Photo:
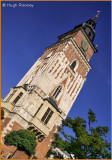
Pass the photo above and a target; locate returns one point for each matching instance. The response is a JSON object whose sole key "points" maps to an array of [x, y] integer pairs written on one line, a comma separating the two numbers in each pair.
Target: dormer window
{"points": [[74, 65]]}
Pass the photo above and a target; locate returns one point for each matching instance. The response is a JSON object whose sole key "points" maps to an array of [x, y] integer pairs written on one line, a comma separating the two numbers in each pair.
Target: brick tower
{"points": [[45, 95]]}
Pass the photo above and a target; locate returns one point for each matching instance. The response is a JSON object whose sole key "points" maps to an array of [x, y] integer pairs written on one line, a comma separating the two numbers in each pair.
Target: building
{"points": [[45, 95], [59, 153]]}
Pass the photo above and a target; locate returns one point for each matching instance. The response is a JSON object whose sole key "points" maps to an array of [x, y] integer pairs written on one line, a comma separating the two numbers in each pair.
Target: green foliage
{"points": [[91, 117], [58, 142], [24, 140], [84, 144]]}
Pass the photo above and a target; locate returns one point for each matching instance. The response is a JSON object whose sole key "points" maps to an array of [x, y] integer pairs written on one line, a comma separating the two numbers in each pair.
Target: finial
{"points": [[96, 16], [98, 12]]}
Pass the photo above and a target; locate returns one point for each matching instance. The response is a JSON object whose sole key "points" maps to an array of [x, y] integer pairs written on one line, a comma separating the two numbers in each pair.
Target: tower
{"points": [[45, 95]]}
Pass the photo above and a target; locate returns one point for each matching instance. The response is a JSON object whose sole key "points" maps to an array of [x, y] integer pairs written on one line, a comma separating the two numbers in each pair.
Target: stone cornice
{"points": [[57, 43]]}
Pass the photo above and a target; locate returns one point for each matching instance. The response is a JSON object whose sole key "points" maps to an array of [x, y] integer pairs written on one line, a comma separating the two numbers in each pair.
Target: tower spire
{"points": [[90, 25], [96, 16]]}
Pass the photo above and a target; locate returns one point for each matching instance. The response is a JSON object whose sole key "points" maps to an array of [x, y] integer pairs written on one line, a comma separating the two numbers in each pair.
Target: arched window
{"points": [[74, 65], [57, 91]]}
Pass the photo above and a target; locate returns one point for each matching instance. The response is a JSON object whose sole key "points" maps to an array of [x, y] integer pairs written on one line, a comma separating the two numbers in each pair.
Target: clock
{"points": [[84, 45]]}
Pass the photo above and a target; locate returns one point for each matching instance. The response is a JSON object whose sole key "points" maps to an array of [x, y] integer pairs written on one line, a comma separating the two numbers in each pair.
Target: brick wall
{"points": [[4, 123], [43, 147], [4, 148], [20, 155]]}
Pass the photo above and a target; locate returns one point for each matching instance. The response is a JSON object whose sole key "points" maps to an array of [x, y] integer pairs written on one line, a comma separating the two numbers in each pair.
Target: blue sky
{"points": [[26, 32]]}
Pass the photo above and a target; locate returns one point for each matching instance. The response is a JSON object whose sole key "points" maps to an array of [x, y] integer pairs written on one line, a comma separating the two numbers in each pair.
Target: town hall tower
{"points": [[45, 95]]}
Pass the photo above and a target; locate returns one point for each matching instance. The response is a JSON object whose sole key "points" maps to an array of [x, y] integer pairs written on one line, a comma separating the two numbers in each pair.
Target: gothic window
{"points": [[46, 117], [17, 98], [74, 65], [10, 96], [57, 91]]}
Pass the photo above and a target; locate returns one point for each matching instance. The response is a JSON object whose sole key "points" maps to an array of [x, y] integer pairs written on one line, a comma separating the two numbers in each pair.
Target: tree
{"points": [[84, 144], [24, 140], [91, 117]]}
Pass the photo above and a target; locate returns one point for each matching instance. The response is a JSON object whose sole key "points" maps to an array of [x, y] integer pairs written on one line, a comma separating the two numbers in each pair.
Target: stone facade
{"points": [[45, 95]]}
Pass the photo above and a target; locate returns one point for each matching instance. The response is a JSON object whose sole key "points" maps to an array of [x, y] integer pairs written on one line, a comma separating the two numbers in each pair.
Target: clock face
{"points": [[84, 45]]}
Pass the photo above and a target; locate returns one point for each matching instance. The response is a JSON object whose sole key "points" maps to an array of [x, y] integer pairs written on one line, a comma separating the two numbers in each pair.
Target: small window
{"points": [[47, 116], [10, 96], [17, 98], [73, 65], [57, 91]]}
